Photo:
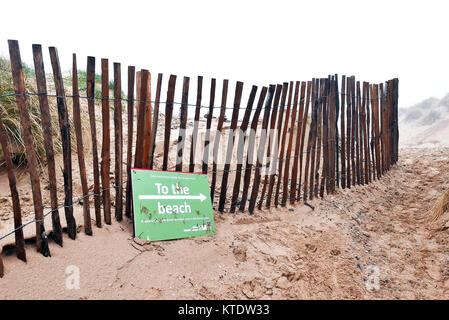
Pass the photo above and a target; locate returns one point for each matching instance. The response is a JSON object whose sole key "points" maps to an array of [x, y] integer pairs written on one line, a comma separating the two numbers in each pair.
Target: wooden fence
{"points": [[296, 141]]}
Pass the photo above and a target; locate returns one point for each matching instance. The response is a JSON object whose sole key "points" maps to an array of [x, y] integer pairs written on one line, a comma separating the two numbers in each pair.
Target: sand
{"points": [[330, 252]]}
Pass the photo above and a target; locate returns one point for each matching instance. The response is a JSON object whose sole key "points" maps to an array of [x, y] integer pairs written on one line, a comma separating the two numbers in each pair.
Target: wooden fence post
{"points": [[251, 148], [282, 152], [260, 149], [118, 142], [19, 239], [230, 145], [129, 156], [276, 155], [196, 120], [80, 148], [318, 133], [148, 124], [270, 141], [90, 84], [241, 147], [326, 139], [217, 139], [294, 109], [48, 140], [182, 123], [141, 93], [105, 147], [66, 142], [311, 142], [302, 129], [168, 118]]}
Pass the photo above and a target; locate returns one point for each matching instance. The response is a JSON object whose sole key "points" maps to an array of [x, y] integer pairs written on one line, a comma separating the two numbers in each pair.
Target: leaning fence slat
{"points": [[196, 121], [359, 162], [80, 148], [118, 142], [208, 126], [19, 239], [19, 89], [241, 147], [141, 93], [90, 84], [271, 136], [251, 148], [318, 136], [129, 156], [182, 123], [230, 145], [218, 138], [326, 141], [365, 137], [155, 121], [343, 133], [308, 185], [66, 142], [260, 150], [302, 129], [288, 154], [276, 153], [48, 141], [168, 118], [148, 124], [106, 145], [282, 152], [376, 131]]}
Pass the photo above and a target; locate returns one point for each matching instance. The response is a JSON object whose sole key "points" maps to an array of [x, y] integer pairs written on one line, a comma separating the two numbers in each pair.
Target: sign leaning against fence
{"points": [[171, 205]]}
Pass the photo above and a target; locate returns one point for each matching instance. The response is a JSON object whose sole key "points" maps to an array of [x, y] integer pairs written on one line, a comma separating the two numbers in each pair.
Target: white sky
{"points": [[257, 42]]}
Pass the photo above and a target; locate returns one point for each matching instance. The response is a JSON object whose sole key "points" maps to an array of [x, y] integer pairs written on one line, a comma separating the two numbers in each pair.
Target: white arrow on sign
{"points": [[201, 197]]}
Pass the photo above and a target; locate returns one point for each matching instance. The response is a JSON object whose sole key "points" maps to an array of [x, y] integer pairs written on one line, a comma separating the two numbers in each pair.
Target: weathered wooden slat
{"points": [[343, 133], [359, 160], [349, 133], [106, 142], [240, 148], [373, 133], [296, 154], [276, 154], [48, 141], [218, 138], [230, 145], [288, 154], [155, 121], [271, 141], [310, 162], [283, 149], [19, 89], [80, 148], [330, 163], [354, 145], [395, 120], [365, 136], [118, 142], [376, 131], [129, 155], [323, 93], [90, 84], [182, 123], [168, 118], [337, 135], [19, 239], [382, 128], [261, 149], [208, 126], [302, 128], [196, 121], [148, 125], [368, 132], [326, 139], [141, 93], [66, 142], [251, 148]]}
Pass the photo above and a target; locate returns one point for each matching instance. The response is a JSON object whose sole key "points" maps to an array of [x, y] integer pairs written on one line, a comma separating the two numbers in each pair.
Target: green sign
{"points": [[171, 205]]}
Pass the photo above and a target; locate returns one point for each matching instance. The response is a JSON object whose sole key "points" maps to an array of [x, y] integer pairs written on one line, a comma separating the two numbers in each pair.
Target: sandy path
{"points": [[293, 253]]}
